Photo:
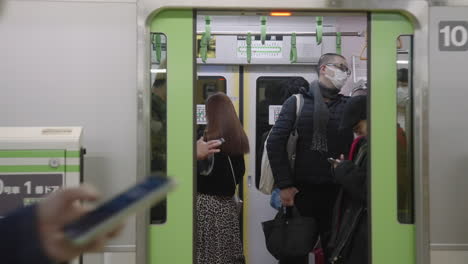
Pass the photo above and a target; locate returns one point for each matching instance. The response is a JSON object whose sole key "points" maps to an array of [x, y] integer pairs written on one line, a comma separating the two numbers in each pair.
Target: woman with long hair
{"points": [[218, 231]]}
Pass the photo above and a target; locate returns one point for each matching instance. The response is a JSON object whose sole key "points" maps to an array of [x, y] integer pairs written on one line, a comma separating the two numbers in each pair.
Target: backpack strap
{"points": [[299, 105]]}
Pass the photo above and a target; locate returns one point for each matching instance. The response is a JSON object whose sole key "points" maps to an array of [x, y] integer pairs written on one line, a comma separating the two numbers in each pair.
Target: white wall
{"points": [[74, 63]]}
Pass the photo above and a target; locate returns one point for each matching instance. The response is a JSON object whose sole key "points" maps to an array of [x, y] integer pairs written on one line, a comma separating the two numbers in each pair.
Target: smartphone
{"points": [[109, 214]]}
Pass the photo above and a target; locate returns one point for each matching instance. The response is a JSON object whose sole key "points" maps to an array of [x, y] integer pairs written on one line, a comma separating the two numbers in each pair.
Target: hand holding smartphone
{"points": [[334, 162], [111, 213]]}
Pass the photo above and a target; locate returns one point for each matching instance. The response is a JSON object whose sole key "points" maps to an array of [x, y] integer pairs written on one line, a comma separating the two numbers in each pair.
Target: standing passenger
{"points": [[159, 121], [289, 87], [218, 231], [310, 187], [349, 237]]}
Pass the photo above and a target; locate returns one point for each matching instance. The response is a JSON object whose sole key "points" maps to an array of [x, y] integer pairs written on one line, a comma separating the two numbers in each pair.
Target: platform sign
{"points": [[201, 114], [273, 113], [17, 190]]}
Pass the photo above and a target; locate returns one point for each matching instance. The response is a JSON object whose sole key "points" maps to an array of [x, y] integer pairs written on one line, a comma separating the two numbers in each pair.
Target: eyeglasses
{"points": [[341, 66]]}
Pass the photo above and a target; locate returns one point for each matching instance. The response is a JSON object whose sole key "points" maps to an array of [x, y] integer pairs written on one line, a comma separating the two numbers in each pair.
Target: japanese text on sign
{"points": [[18, 190], [272, 49]]}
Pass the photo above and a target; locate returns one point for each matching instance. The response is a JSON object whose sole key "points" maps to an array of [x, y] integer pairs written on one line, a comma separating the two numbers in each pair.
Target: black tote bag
{"points": [[289, 234]]}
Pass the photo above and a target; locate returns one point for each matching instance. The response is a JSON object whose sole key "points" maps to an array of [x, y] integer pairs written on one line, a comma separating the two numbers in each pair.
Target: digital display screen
{"points": [[114, 206]]}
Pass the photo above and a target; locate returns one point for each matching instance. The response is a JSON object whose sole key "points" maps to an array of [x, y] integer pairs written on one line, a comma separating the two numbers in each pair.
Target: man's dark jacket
{"points": [[311, 167]]}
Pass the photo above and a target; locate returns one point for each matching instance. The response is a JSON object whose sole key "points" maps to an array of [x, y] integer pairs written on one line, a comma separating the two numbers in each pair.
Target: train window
{"points": [[158, 123], [405, 182], [208, 85], [270, 92]]}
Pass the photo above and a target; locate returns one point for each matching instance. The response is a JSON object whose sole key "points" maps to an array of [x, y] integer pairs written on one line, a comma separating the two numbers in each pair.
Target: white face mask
{"points": [[339, 79]]}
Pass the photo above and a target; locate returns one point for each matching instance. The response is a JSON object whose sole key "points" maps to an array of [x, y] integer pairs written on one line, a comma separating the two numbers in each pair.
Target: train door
{"points": [[391, 142], [391, 240]]}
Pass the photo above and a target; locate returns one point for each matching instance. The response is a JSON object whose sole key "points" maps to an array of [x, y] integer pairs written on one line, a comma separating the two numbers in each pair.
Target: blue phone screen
{"points": [[113, 206]]}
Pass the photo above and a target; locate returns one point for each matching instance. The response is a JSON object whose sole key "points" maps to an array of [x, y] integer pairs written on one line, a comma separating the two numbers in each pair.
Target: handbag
{"points": [[289, 234], [237, 200]]}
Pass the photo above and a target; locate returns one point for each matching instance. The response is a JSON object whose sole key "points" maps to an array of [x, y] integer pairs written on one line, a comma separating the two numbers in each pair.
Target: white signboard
{"points": [[274, 111], [201, 114], [271, 49]]}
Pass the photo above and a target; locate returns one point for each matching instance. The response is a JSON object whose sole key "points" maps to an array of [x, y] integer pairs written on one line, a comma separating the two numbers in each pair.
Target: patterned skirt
{"points": [[218, 231]]}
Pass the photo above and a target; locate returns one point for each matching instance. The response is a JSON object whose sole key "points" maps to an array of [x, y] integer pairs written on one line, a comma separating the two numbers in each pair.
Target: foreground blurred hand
{"points": [[58, 210]]}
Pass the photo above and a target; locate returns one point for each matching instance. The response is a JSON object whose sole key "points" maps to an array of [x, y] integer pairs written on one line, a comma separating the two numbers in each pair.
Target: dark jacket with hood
{"points": [[349, 240], [311, 167]]}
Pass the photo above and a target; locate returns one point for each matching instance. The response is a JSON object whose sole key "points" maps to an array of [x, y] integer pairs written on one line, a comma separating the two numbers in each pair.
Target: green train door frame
{"points": [[173, 241], [388, 236]]}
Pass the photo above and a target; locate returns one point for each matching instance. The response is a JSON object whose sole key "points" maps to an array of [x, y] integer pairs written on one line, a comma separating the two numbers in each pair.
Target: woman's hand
{"points": [[338, 161], [204, 149]]}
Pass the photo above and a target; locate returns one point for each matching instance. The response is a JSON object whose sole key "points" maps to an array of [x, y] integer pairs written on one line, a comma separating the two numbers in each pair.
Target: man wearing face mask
{"points": [[310, 186]]}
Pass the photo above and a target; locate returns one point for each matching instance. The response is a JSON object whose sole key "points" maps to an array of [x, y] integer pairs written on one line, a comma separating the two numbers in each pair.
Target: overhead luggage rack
{"points": [[311, 33]]}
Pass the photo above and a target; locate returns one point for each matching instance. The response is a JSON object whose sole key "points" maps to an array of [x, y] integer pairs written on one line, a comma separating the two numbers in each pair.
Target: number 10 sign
{"points": [[453, 35]]}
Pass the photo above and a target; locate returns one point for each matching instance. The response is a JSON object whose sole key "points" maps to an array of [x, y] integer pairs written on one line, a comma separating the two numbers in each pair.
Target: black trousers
{"points": [[316, 201]]}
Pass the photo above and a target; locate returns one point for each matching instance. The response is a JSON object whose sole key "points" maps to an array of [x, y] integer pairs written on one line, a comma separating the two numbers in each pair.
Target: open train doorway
{"points": [[247, 55], [280, 48]]}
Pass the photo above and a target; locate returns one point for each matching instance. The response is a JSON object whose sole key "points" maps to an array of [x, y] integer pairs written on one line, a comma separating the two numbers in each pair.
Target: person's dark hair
{"points": [[327, 58], [224, 123], [158, 83], [272, 92], [402, 75], [354, 111], [292, 86]]}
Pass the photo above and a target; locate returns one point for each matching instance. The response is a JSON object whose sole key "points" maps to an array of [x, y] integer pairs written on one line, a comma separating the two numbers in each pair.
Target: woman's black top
{"points": [[220, 181]]}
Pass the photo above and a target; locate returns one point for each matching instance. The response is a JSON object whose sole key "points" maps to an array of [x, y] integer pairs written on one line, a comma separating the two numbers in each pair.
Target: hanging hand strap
{"points": [[319, 29], [206, 36], [157, 47], [208, 26], [299, 105], [203, 47], [248, 41], [364, 48], [338, 43], [263, 21], [293, 52]]}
